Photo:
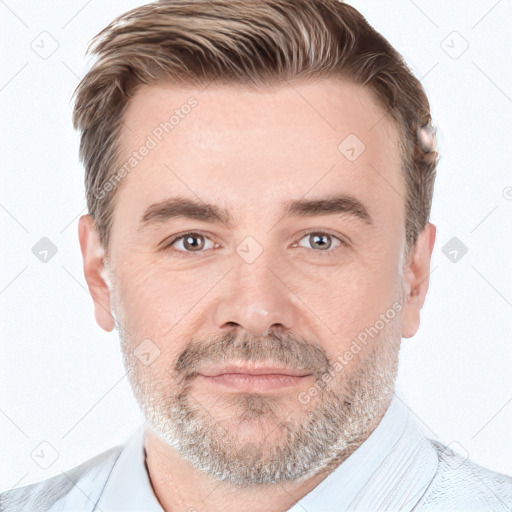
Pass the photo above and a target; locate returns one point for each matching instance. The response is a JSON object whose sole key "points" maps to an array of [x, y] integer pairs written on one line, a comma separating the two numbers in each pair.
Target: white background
{"points": [[62, 377]]}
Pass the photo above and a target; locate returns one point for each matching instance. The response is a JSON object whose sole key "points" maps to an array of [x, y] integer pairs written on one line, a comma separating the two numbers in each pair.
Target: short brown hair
{"points": [[250, 42]]}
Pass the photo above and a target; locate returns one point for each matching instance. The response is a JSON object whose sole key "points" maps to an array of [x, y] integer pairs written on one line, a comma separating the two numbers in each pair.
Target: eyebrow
{"points": [[177, 207]]}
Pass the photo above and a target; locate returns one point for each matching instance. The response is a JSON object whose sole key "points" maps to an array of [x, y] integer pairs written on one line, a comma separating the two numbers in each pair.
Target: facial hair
{"points": [[325, 432]]}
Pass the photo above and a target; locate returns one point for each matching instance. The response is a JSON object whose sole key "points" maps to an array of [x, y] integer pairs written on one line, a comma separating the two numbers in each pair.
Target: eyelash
{"points": [[186, 254]]}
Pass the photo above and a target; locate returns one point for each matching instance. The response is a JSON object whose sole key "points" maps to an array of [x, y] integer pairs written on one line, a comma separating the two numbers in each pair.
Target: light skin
{"points": [[249, 153]]}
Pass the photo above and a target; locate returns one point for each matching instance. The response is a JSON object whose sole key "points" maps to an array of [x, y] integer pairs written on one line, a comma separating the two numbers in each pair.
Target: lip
{"points": [[252, 378], [248, 369]]}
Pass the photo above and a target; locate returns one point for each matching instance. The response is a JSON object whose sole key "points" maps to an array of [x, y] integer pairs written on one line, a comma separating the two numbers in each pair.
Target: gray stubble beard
{"points": [[341, 418]]}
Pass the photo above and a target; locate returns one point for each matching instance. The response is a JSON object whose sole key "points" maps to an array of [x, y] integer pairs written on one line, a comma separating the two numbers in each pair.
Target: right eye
{"points": [[189, 243]]}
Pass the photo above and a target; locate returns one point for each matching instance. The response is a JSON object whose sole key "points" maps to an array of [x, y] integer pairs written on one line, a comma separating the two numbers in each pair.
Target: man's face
{"points": [[263, 289]]}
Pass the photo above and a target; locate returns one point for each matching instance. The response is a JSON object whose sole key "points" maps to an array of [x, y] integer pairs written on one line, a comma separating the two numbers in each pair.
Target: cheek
{"points": [[346, 300], [137, 293], [154, 297]]}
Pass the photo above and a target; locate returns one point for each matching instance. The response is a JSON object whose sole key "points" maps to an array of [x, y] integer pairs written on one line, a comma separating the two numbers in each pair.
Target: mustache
{"points": [[278, 348]]}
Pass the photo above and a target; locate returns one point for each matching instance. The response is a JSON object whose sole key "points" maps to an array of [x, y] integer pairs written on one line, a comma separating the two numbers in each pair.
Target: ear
{"points": [[95, 272], [416, 279]]}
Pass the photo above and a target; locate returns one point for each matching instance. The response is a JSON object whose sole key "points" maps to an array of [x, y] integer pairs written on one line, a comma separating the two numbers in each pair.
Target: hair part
{"points": [[257, 43]]}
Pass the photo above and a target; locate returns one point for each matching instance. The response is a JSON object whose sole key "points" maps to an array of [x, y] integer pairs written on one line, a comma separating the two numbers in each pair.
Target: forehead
{"points": [[250, 150]]}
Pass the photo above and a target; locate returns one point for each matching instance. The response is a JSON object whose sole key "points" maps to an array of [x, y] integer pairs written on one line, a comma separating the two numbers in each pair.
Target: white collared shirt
{"points": [[396, 469]]}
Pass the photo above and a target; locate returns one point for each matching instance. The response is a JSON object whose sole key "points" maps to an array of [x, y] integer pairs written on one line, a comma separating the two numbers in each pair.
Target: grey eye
{"points": [[319, 240], [192, 242]]}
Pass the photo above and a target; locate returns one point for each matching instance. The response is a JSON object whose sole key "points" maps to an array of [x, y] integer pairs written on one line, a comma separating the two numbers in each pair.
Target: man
{"points": [[259, 178]]}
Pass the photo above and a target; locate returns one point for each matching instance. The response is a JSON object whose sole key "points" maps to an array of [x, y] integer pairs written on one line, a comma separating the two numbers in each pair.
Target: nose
{"points": [[255, 298]]}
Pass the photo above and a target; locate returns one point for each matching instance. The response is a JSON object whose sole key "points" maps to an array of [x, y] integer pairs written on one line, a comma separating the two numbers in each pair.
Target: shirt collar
{"points": [[389, 471], [128, 488]]}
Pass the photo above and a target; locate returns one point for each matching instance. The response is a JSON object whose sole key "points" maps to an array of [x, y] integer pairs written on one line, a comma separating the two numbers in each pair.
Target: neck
{"points": [[180, 486]]}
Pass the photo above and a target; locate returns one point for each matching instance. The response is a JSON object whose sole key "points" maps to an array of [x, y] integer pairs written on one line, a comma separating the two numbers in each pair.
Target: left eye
{"points": [[321, 241]]}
